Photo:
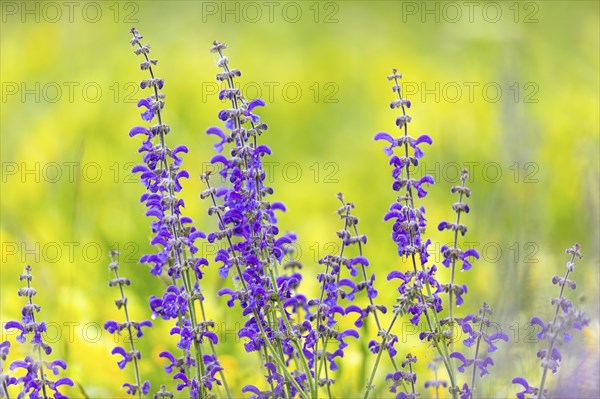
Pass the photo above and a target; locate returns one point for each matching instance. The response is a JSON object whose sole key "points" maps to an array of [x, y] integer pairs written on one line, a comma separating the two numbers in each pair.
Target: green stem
{"points": [[412, 381], [371, 302], [289, 327], [327, 381], [378, 358], [280, 362], [5, 387], [198, 353], [272, 317], [214, 352]]}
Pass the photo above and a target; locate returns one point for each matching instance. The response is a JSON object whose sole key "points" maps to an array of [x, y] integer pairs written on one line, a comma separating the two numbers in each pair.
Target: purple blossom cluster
{"points": [[409, 219], [174, 238], [254, 248], [300, 339], [453, 254], [419, 290], [337, 294], [283, 325], [34, 380]]}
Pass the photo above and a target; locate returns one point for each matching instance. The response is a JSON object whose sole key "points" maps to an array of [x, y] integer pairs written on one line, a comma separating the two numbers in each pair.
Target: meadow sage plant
{"points": [[301, 339], [34, 380], [174, 237]]}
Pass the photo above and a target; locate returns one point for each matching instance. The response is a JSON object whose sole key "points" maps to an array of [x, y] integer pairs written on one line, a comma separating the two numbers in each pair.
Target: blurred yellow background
{"points": [[508, 89]]}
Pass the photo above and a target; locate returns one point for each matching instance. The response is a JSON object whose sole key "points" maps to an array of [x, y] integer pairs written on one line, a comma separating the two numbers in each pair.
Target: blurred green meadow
{"points": [[508, 90]]}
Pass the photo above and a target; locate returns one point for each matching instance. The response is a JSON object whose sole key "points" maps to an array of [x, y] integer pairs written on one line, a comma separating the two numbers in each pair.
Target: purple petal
{"points": [[216, 131], [138, 130], [395, 274], [424, 138], [358, 259], [219, 158], [111, 326], [64, 381], [212, 336], [262, 149], [470, 252], [179, 148], [384, 136], [257, 102], [251, 388], [144, 102]]}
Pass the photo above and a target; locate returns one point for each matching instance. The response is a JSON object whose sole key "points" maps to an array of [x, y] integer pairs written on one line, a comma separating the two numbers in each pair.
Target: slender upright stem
{"points": [[371, 302], [445, 354], [369, 386], [412, 381], [327, 380], [136, 368], [214, 352], [453, 268], [553, 336], [320, 359], [474, 375]]}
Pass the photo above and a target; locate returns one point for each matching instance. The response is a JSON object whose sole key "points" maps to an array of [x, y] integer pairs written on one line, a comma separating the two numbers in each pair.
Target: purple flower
{"points": [[387, 137], [173, 362], [401, 379], [257, 393], [150, 106], [127, 356], [527, 390], [4, 349], [464, 361], [132, 389], [469, 253], [254, 248], [172, 305], [185, 333], [489, 340]]}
